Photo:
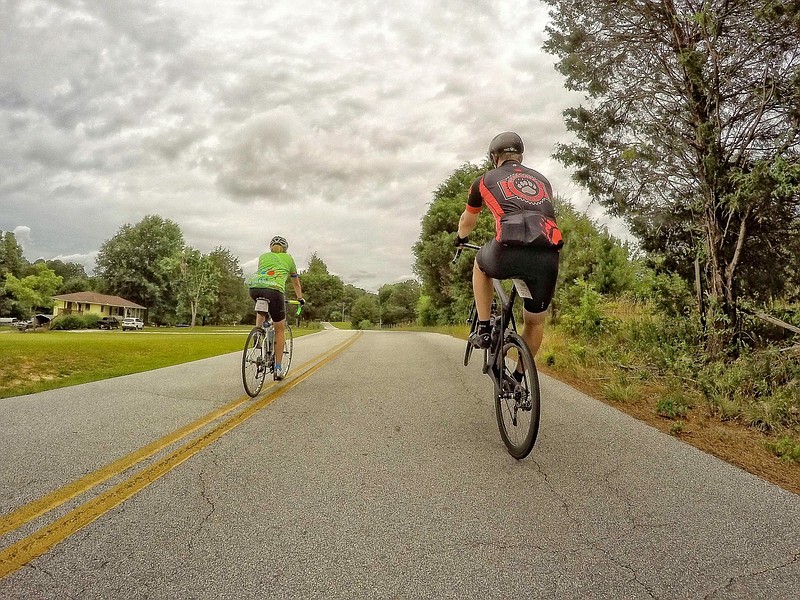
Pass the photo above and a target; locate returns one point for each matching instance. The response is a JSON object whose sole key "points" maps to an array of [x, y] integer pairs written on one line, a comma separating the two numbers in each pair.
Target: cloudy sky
{"points": [[330, 122]]}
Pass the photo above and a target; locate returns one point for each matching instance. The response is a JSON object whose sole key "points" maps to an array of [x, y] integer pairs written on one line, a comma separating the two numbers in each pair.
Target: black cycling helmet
{"points": [[280, 241], [508, 141]]}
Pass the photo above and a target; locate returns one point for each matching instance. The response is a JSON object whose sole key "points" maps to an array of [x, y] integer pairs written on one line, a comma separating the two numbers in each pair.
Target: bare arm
{"points": [[298, 291], [467, 223]]}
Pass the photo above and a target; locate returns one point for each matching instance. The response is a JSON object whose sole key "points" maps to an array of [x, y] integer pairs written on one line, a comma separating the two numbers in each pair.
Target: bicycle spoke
{"points": [[254, 365], [517, 403]]}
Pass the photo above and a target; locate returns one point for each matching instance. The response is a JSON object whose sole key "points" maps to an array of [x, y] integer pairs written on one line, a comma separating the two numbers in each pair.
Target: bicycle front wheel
{"points": [[517, 402], [254, 364], [288, 345]]}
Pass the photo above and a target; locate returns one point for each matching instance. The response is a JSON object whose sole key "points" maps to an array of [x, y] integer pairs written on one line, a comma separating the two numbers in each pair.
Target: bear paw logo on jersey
{"points": [[523, 187]]}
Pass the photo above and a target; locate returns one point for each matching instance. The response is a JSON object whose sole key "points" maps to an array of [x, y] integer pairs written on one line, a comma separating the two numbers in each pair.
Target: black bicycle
{"points": [[258, 356], [509, 363]]}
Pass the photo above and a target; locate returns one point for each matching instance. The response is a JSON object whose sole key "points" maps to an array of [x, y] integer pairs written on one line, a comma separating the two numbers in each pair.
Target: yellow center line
{"points": [[56, 498], [41, 541]]}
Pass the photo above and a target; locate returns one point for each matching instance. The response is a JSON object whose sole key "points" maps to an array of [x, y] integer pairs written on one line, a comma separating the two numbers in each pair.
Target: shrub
{"points": [[70, 322], [364, 324], [582, 311], [673, 404], [786, 449], [760, 386]]}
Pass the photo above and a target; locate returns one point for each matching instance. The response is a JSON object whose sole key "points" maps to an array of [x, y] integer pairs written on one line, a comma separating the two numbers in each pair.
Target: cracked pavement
{"points": [[383, 476]]}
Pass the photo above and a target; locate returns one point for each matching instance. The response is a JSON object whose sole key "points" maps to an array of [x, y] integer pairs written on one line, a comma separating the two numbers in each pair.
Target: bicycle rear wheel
{"points": [[288, 345], [517, 402], [254, 364]]}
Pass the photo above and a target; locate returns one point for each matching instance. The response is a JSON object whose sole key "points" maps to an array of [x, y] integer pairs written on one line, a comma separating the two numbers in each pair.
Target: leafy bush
{"points": [[364, 324], [70, 322], [426, 311], [761, 387], [582, 311], [670, 293], [673, 404], [786, 449]]}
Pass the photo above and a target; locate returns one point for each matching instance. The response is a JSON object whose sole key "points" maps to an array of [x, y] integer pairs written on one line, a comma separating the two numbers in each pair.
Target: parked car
{"points": [[23, 325], [132, 323], [107, 323]]}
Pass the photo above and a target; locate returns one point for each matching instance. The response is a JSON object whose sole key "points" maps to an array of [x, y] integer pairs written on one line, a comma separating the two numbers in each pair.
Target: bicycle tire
{"points": [[288, 346], [254, 365], [517, 405]]}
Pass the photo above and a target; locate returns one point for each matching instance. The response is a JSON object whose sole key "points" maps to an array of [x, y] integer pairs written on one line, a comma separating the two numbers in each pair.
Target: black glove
{"points": [[461, 241], [301, 301]]}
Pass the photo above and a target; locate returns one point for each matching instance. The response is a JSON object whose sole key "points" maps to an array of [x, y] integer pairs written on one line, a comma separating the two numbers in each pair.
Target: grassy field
{"points": [[44, 360]]}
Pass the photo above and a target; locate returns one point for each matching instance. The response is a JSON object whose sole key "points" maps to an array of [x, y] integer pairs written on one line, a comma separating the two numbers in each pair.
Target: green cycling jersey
{"points": [[274, 268]]}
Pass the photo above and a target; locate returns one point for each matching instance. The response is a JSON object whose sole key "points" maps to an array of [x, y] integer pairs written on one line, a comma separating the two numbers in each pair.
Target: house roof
{"points": [[95, 298]]}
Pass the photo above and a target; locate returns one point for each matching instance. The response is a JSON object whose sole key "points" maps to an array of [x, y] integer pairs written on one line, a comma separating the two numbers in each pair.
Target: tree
{"points": [[592, 254], [34, 291], [365, 310], [449, 286], [398, 302], [232, 303], [197, 284], [11, 256], [140, 263], [323, 291], [689, 105], [73, 275], [350, 294], [11, 262]]}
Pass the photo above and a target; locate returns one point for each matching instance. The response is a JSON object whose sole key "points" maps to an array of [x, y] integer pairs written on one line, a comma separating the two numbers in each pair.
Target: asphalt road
{"points": [[380, 474]]}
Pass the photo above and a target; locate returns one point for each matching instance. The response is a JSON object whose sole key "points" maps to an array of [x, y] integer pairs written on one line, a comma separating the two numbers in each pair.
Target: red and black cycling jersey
{"points": [[521, 201]]}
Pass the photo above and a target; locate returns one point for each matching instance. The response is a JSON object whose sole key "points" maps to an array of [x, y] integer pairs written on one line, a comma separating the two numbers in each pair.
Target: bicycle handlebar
{"points": [[299, 306], [461, 247]]}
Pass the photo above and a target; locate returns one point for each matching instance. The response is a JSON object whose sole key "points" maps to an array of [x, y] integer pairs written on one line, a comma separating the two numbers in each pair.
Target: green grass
{"points": [[44, 360]]}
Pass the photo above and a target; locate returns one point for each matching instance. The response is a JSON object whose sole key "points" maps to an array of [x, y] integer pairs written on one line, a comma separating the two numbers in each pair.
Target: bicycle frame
{"points": [[492, 355]]}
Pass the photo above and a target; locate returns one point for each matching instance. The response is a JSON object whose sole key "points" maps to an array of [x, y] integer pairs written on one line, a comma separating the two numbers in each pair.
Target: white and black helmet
{"points": [[280, 241], [508, 141]]}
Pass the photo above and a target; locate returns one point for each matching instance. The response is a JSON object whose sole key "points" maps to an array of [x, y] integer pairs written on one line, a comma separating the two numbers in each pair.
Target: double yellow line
{"points": [[42, 540]]}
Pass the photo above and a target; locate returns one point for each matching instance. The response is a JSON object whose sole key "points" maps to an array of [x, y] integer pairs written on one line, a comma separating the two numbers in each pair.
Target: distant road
{"points": [[374, 471]]}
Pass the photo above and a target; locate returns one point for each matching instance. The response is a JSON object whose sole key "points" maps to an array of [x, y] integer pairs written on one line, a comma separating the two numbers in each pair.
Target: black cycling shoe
{"points": [[480, 340]]}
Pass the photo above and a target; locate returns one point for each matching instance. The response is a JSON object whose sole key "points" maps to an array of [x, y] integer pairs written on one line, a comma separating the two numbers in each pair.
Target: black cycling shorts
{"points": [[277, 301], [537, 267]]}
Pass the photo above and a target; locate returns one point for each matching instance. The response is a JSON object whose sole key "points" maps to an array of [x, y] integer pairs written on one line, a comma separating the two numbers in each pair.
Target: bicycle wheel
{"points": [[288, 344], [473, 323], [254, 365], [517, 402]]}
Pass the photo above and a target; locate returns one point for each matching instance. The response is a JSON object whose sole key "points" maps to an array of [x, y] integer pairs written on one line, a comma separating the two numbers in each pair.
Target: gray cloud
{"points": [[329, 122]]}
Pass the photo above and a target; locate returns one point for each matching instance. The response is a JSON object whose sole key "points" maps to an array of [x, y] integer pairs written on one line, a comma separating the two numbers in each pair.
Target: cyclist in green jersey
{"points": [[269, 282]]}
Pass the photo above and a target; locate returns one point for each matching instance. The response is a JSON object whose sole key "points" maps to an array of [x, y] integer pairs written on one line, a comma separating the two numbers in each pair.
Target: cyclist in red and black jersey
{"points": [[527, 241]]}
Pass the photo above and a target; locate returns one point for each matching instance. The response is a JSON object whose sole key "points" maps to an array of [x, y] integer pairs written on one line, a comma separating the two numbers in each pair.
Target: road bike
{"points": [[509, 363], [258, 356]]}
